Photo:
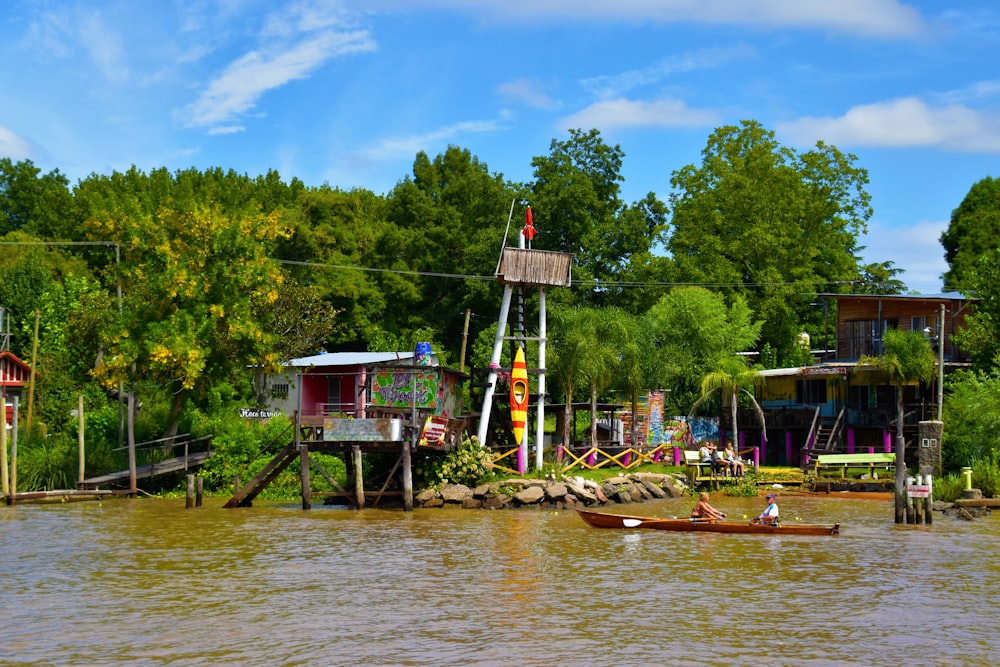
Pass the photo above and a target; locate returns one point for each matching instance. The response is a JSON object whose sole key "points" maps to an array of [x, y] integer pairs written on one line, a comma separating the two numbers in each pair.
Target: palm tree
{"points": [[730, 377], [907, 358]]}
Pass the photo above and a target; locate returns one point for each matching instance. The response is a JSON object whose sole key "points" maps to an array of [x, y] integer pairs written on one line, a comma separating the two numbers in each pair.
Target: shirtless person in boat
{"points": [[703, 510]]}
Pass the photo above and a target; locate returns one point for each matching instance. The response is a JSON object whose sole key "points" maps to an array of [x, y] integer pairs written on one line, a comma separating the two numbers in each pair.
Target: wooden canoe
{"points": [[603, 520]]}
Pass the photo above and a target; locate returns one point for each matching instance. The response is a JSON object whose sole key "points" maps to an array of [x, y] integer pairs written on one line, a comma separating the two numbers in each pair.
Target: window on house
{"points": [[333, 404], [860, 397], [810, 392], [279, 390]]}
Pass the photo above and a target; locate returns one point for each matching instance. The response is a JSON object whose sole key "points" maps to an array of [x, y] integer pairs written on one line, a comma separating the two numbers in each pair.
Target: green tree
{"points": [[576, 200], [731, 377], [690, 329], [333, 243], [445, 221], [972, 414], [192, 277], [759, 219], [879, 278], [36, 203], [574, 331], [973, 231], [907, 358], [980, 337]]}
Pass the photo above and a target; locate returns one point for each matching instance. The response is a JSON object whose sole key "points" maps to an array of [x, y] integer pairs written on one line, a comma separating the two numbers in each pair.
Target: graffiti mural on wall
{"points": [[394, 388], [654, 429]]}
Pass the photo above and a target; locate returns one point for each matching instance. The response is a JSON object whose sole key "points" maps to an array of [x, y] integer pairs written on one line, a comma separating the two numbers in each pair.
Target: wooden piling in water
{"points": [[189, 498], [199, 483]]}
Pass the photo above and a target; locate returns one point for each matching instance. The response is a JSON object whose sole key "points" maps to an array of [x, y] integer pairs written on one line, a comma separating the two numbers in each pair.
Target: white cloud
{"points": [[609, 114], [104, 46], [392, 148], [874, 18], [615, 85], [13, 146], [239, 87], [527, 92], [917, 250], [900, 123]]}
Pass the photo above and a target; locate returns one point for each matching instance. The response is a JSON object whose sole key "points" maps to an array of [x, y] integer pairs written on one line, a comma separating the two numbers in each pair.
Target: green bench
{"points": [[838, 465], [698, 470]]}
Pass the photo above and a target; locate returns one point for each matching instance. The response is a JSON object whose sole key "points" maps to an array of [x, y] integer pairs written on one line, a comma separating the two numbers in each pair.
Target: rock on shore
{"points": [[569, 492]]}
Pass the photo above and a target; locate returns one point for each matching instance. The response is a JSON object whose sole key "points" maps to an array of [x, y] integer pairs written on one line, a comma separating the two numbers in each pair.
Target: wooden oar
{"points": [[636, 523]]}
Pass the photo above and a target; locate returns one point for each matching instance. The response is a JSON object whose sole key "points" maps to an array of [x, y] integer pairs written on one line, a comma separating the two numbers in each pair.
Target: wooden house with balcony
{"points": [[356, 403], [836, 406]]}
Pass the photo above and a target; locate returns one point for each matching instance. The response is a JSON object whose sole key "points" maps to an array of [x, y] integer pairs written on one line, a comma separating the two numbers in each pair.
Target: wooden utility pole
{"points": [[83, 458], [31, 378], [465, 339]]}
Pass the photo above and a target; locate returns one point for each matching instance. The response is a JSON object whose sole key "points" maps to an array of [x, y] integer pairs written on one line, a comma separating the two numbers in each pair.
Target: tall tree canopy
{"points": [[691, 329], [973, 231], [576, 199], [759, 219], [193, 277]]}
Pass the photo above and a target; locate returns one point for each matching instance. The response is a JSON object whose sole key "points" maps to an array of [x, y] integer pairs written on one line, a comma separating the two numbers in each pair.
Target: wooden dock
{"points": [[188, 462]]}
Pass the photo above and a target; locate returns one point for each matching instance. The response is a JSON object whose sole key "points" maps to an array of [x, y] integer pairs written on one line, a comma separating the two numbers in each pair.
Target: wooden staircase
{"points": [[244, 497], [824, 437]]}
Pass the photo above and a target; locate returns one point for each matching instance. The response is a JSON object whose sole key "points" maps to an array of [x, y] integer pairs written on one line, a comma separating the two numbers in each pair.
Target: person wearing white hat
{"points": [[769, 517]]}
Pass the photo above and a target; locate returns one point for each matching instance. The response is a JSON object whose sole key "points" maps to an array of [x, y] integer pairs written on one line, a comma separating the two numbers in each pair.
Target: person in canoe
{"points": [[704, 511], [769, 517]]}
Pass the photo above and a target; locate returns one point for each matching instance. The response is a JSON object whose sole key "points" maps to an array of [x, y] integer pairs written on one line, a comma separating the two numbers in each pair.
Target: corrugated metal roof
{"points": [[940, 296], [349, 359]]}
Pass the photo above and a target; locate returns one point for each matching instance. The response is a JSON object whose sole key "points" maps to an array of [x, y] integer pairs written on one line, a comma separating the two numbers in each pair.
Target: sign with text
{"points": [[258, 413], [435, 429], [918, 491]]}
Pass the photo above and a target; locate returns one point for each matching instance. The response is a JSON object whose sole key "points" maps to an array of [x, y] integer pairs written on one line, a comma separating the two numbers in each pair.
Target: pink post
{"points": [[788, 447], [887, 441], [756, 457], [677, 456], [763, 448], [850, 440]]}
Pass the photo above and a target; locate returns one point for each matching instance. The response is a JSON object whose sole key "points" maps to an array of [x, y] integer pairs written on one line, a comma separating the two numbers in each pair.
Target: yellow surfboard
{"points": [[519, 395]]}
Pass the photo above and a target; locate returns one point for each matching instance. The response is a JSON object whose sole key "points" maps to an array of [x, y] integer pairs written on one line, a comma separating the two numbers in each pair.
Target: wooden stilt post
{"points": [[407, 479], [132, 483], [359, 482], [929, 501], [189, 498], [13, 452], [304, 467], [79, 437], [199, 483], [4, 480]]}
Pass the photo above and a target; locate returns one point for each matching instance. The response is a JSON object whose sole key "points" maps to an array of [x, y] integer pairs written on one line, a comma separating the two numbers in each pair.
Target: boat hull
{"points": [[623, 521]]}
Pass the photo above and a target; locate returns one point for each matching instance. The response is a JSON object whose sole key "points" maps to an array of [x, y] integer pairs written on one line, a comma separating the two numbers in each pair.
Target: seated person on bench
{"points": [[735, 463]]}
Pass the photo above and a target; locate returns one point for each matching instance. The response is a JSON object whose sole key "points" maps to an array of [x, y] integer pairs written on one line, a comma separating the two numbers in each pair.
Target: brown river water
{"points": [[148, 582]]}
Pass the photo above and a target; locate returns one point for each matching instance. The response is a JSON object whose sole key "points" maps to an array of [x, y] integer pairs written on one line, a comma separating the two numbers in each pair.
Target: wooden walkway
{"points": [[193, 460]]}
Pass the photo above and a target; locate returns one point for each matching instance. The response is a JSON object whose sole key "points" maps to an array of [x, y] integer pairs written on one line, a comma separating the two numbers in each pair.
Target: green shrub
{"points": [[949, 488], [467, 464]]}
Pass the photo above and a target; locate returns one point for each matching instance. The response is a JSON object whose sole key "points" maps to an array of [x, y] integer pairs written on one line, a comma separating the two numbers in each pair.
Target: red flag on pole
{"points": [[529, 227]]}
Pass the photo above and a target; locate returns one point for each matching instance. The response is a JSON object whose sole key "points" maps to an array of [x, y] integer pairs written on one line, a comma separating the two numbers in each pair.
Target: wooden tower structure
{"points": [[524, 268]]}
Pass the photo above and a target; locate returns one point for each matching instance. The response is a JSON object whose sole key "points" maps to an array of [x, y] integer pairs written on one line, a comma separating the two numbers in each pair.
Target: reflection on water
{"points": [[148, 582]]}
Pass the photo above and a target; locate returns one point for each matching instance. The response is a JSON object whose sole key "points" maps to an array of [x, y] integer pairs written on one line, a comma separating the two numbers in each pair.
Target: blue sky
{"points": [[346, 92]]}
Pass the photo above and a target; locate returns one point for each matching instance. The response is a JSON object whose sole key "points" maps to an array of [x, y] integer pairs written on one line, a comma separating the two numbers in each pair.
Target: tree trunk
{"points": [[568, 420], [175, 414], [733, 407]]}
